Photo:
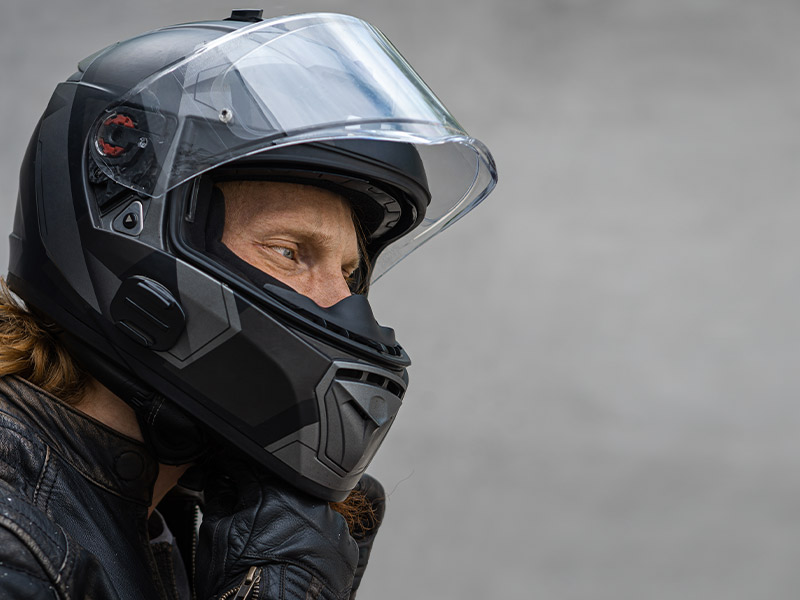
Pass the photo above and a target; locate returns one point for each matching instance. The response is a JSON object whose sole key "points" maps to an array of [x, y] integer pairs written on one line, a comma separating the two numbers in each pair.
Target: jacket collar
{"points": [[109, 459]]}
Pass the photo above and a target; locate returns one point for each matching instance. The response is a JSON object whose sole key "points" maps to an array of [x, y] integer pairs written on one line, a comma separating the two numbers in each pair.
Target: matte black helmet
{"points": [[117, 233]]}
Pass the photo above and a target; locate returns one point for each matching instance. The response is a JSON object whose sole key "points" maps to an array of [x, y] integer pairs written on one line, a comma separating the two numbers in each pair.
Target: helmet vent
{"points": [[372, 378]]}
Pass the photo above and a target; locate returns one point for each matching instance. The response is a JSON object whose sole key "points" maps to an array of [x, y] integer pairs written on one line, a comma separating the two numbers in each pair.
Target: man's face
{"points": [[301, 235]]}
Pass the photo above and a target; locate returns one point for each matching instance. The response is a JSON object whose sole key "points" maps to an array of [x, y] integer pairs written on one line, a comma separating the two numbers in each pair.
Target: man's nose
{"points": [[329, 289]]}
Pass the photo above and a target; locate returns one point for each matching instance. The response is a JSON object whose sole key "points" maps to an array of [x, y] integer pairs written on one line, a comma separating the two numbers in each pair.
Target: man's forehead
{"points": [[277, 192], [276, 201], [302, 212]]}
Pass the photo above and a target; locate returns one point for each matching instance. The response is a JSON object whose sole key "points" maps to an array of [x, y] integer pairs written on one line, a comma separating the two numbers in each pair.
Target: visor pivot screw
{"points": [[226, 115], [142, 142]]}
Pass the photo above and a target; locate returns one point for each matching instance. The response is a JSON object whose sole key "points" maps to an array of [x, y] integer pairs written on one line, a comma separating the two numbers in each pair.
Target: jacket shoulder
{"points": [[21, 574], [38, 559], [27, 539]]}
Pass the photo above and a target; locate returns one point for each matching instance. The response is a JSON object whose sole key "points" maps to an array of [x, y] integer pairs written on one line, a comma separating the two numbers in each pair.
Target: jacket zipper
{"points": [[197, 519], [249, 584]]}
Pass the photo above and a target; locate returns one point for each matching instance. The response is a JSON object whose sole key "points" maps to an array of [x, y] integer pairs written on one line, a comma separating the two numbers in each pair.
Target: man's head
{"points": [[196, 206]]}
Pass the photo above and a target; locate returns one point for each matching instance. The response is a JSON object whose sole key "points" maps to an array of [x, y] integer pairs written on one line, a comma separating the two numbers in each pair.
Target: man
{"points": [[202, 210]]}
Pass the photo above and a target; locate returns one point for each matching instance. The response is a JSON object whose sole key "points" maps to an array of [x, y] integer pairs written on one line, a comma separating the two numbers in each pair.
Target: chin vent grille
{"points": [[372, 378]]}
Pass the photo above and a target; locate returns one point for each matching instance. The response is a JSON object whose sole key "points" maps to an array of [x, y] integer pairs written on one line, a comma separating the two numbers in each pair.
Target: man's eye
{"points": [[286, 252]]}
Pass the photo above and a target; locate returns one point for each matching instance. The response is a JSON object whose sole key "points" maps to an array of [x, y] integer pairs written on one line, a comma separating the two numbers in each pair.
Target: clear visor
{"points": [[285, 81]]}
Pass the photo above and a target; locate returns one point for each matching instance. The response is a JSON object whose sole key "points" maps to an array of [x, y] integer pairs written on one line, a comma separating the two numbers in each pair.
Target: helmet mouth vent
{"points": [[372, 378]]}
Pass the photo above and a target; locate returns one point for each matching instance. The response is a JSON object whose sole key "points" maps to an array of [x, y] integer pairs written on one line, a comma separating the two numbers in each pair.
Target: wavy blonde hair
{"points": [[30, 349]]}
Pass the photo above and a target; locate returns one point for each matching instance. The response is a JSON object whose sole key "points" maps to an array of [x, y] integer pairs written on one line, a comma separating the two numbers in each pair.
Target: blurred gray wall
{"points": [[604, 400]]}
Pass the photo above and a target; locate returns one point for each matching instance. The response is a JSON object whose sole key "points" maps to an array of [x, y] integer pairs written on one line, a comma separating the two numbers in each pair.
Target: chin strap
{"points": [[172, 436]]}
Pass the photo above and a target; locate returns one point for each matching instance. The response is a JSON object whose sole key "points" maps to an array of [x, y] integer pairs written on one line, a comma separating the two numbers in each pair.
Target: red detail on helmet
{"points": [[109, 149], [119, 120]]}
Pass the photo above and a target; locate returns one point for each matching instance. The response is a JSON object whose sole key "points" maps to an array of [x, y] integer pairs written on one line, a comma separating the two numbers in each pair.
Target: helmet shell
{"points": [[115, 176]]}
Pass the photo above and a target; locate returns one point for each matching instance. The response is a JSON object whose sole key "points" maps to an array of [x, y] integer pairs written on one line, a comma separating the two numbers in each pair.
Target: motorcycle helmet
{"points": [[118, 224]]}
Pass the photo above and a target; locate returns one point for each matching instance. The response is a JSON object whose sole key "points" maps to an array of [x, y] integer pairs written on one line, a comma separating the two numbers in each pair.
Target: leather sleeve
{"points": [[39, 560], [21, 575]]}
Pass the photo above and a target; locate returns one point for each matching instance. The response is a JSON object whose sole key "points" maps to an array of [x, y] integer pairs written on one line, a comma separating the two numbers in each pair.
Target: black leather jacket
{"points": [[74, 496]]}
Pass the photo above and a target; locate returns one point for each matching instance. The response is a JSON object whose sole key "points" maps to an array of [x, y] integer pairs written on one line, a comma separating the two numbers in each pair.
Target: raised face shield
{"points": [[286, 81]]}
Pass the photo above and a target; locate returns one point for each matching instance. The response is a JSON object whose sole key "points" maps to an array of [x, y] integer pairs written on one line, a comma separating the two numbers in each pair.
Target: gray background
{"points": [[604, 398]]}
